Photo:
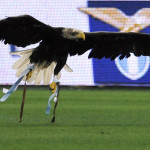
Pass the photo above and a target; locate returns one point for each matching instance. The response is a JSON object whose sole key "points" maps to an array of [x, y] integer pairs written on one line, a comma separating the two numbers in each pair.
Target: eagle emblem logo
{"points": [[133, 68]]}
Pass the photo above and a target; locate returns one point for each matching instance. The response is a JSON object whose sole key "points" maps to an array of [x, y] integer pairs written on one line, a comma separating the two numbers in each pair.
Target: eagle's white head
{"points": [[73, 34]]}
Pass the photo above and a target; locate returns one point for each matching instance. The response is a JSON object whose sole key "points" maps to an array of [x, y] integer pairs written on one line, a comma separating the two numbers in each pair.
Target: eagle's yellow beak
{"points": [[81, 35]]}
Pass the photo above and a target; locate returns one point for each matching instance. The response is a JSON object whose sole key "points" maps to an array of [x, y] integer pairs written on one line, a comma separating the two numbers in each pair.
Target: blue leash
{"points": [[16, 84]]}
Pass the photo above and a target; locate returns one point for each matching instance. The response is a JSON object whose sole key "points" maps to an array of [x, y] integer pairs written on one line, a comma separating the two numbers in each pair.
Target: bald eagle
{"points": [[57, 43]]}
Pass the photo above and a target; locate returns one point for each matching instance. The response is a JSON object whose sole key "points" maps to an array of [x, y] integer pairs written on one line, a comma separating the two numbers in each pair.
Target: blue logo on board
{"points": [[122, 16], [134, 67]]}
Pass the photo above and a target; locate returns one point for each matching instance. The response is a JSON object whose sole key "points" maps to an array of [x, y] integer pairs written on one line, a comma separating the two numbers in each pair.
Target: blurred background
{"points": [[115, 16]]}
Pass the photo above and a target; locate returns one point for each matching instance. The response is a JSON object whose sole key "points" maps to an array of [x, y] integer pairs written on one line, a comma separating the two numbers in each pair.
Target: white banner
{"points": [[56, 13]]}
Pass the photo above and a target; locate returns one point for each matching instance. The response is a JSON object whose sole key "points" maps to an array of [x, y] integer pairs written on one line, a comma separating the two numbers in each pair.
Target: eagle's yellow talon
{"points": [[53, 86], [29, 74]]}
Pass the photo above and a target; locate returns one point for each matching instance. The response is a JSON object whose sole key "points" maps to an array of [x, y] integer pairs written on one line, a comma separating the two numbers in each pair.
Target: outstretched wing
{"points": [[112, 44], [22, 30]]}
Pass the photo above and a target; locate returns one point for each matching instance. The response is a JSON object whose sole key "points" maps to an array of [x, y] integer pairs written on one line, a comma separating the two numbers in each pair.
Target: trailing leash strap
{"points": [[49, 104], [54, 111], [16, 84], [11, 90], [55, 87], [24, 93], [23, 100]]}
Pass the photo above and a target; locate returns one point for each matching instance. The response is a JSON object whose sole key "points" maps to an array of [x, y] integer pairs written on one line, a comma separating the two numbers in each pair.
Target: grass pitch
{"points": [[86, 119]]}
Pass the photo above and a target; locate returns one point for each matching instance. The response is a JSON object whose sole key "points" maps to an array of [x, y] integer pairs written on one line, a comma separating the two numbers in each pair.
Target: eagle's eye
{"points": [[74, 33]]}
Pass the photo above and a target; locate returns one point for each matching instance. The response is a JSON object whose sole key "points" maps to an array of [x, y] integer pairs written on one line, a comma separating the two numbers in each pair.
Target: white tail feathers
{"points": [[48, 72], [58, 76], [47, 75], [39, 77], [67, 68], [41, 72], [23, 52], [21, 61]]}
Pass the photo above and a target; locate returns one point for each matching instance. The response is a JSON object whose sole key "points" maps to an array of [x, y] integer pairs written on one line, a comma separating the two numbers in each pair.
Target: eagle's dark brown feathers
{"points": [[57, 43]]}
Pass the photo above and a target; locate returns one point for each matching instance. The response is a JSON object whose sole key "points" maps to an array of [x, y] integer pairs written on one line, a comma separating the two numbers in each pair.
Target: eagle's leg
{"points": [[55, 85], [55, 88]]}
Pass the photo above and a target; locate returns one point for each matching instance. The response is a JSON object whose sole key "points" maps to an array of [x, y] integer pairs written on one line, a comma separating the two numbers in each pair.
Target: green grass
{"points": [[86, 119]]}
